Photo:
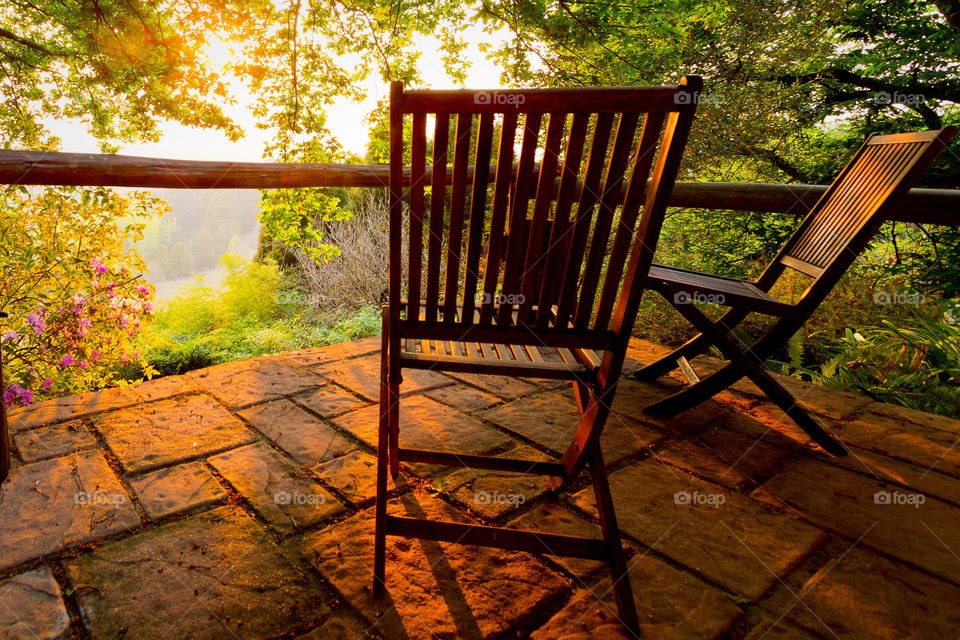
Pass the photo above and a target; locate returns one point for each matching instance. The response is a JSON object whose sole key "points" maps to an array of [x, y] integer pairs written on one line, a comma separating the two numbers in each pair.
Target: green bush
{"points": [[256, 311]]}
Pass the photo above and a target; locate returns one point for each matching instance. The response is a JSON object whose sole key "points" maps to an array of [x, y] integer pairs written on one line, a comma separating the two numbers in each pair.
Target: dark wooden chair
{"points": [[512, 288], [825, 244]]}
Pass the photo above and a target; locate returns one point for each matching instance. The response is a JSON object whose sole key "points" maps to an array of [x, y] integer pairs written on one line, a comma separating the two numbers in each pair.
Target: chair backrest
{"points": [[535, 246], [851, 211]]}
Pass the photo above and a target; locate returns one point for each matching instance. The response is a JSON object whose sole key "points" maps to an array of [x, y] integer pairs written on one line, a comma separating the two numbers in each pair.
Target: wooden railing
{"points": [[928, 206]]}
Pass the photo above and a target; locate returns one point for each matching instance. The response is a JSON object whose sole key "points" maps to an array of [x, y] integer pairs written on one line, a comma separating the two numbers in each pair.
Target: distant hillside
{"points": [[202, 226]]}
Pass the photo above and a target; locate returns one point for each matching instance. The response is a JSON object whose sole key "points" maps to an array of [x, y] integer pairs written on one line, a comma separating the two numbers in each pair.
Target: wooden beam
{"points": [[928, 206]]}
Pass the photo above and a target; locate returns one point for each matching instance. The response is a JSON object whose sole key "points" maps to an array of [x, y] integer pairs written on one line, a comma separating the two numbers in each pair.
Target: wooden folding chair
{"points": [[511, 289], [825, 244]]}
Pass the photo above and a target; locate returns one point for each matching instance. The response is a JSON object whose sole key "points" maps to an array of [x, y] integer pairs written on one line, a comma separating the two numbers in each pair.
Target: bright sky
{"points": [[345, 118]]}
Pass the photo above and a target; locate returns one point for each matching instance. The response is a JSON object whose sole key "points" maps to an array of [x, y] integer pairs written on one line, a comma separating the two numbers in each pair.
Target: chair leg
{"points": [[742, 363], [788, 404], [380, 527], [622, 590], [689, 350], [695, 393], [582, 394], [394, 427], [695, 346], [383, 432]]}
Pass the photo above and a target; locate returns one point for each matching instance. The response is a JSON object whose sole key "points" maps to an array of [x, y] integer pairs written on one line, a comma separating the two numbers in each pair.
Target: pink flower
{"points": [[15, 393], [10, 336], [142, 290], [35, 320], [83, 364], [98, 266], [148, 307], [67, 360], [47, 383], [94, 355]]}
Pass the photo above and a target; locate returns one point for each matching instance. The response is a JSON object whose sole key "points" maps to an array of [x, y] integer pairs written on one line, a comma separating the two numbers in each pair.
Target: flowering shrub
{"points": [[72, 287]]}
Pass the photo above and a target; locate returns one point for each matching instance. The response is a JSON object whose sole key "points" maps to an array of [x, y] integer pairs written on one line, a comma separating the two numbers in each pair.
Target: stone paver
{"points": [[354, 475], [433, 589], [334, 352], [500, 386], [554, 518], [47, 442], [31, 607], [726, 457], [722, 535], [772, 629], [632, 397], [238, 384], [898, 472], [670, 604], [463, 397], [165, 387], [493, 494], [551, 419], [175, 489], [427, 424], [278, 491], [58, 503], [303, 436], [337, 629], [362, 376], [71, 407], [863, 595], [919, 529], [897, 414], [211, 576], [926, 445], [173, 430], [330, 401]]}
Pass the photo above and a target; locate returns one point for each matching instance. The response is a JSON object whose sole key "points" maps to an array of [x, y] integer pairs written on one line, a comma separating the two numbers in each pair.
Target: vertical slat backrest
{"points": [[842, 222], [532, 221]]}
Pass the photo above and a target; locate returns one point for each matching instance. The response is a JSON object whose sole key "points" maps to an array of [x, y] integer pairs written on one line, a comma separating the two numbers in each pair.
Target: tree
{"points": [[120, 65]]}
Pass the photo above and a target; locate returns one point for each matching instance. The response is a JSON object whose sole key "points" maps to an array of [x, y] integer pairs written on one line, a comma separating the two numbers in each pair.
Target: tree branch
{"points": [[948, 92], [9, 35]]}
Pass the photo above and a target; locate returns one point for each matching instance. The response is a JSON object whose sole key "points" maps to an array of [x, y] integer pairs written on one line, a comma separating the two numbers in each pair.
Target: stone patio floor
{"points": [[237, 502]]}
